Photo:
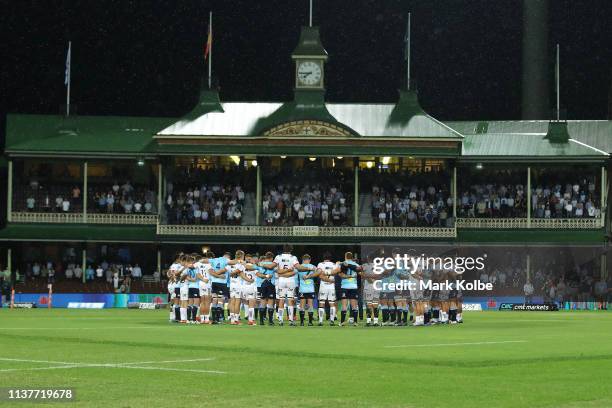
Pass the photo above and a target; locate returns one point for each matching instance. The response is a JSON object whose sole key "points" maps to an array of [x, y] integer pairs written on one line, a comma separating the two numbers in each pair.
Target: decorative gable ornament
{"points": [[307, 128]]}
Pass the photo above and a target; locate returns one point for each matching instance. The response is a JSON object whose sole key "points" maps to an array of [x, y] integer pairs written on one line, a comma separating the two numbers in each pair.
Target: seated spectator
{"points": [[136, 272]]}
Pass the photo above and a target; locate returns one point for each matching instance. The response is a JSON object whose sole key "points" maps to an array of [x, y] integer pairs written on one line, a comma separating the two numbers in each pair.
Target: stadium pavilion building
{"points": [[61, 169]]}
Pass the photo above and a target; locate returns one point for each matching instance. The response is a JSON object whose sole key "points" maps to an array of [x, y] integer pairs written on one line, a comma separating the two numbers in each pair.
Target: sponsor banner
{"points": [[24, 305], [472, 307], [534, 307], [110, 300], [85, 305]]}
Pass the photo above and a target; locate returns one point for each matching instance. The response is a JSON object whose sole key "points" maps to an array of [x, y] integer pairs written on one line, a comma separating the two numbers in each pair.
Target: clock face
{"points": [[309, 73]]}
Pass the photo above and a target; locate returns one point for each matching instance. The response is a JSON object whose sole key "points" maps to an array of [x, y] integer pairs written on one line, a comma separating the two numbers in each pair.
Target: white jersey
{"points": [[204, 270], [285, 261], [252, 275], [235, 281], [327, 268]]}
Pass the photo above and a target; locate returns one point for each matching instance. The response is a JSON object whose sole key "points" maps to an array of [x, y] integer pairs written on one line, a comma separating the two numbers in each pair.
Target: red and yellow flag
{"points": [[208, 43]]}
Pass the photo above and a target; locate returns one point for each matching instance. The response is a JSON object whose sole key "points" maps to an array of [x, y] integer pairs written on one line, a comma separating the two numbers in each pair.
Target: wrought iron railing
{"points": [[79, 218], [537, 223]]}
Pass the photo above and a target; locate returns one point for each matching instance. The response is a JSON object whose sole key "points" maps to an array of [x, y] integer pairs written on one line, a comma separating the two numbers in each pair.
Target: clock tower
{"points": [[309, 57]]}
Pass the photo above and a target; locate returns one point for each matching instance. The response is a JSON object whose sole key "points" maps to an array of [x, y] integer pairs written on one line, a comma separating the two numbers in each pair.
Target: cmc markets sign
{"points": [[529, 307]]}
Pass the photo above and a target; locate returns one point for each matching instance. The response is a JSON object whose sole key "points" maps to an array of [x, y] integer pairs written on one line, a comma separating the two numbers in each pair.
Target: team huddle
{"points": [[202, 286]]}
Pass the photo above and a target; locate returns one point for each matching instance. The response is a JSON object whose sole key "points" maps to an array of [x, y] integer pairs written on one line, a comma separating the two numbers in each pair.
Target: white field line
{"points": [[476, 343], [132, 365], [88, 328]]}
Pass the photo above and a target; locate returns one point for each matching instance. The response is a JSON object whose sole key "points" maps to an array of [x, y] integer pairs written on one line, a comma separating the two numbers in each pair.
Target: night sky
{"points": [[145, 57]]}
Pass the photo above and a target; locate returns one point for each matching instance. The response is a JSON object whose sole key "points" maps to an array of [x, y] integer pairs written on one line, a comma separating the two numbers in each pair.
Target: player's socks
{"points": [[368, 316], [342, 316], [405, 316], [426, 317], [281, 314], [270, 314], [262, 315], [256, 313], [310, 316], [355, 313], [392, 314], [332, 313], [458, 316], [251, 314], [436, 314], [302, 314], [183, 314], [385, 314], [290, 312], [321, 314], [177, 313], [189, 309]]}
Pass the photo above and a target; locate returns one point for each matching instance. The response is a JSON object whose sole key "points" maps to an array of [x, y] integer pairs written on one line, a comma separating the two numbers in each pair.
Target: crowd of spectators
{"points": [[121, 198], [35, 197], [315, 197], [412, 199], [211, 197], [505, 196]]}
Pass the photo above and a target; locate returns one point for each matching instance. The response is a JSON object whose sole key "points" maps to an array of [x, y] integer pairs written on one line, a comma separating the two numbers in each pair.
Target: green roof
{"points": [[529, 140], [404, 119], [98, 135]]}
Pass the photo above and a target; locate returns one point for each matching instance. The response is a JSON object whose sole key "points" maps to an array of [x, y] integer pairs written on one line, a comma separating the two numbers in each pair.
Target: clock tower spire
{"points": [[310, 58]]}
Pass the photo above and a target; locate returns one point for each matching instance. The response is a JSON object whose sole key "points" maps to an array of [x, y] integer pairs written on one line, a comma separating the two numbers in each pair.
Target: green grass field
{"points": [[128, 358]]}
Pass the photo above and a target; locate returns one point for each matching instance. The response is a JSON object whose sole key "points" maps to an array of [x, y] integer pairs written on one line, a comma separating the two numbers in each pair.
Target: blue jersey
{"points": [[219, 263], [391, 278], [192, 273], [350, 282], [270, 271], [258, 280], [306, 285]]}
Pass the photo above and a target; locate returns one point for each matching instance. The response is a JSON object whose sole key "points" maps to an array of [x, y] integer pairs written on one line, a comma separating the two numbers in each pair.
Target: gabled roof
{"points": [[404, 119], [527, 140], [98, 135]]}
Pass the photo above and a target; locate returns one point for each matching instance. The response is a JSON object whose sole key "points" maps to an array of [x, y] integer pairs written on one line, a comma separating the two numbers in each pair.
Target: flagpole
{"points": [[68, 77], [210, 52], [310, 15], [557, 72], [408, 54]]}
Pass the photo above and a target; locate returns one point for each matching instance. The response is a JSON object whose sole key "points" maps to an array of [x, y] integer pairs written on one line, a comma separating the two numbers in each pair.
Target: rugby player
{"points": [[306, 273], [219, 275], [327, 288], [174, 270], [370, 293], [172, 298], [285, 285], [348, 272], [236, 270], [268, 289], [249, 291], [203, 268]]}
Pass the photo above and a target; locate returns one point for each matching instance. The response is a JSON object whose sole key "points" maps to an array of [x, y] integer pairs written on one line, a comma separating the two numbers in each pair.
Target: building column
{"points": [[603, 196], [258, 195], [84, 262], [159, 268], [85, 167], [454, 192], [9, 196], [528, 197], [528, 271], [603, 270], [160, 193], [356, 193]]}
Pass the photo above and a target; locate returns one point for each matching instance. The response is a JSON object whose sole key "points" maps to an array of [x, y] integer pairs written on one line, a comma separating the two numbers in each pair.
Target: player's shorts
{"points": [[218, 288], [307, 295], [348, 293], [184, 293], [417, 295], [401, 294], [194, 293], [205, 290], [235, 292], [435, 295], [452, 294], [327, 292], [371, 295], [177, 293], [285, 288], [387, 296], [248, 292], [443, 295], [268, 291]]}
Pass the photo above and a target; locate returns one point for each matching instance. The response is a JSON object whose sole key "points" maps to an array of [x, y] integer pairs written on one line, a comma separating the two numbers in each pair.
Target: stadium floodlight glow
{"points": [[479, 166], [283, 157], [312, 158], [369, 164], [340, 157], [386, 160], [140, 161], [235, 159], [254, 163]]}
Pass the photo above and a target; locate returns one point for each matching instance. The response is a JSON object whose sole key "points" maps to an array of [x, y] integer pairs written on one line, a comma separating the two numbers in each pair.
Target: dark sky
{"points": [[145, 57]]}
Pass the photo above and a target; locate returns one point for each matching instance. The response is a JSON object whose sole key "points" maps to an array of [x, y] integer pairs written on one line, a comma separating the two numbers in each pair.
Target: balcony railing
{"points": [[306, 231], [79, 218], [522, 223]]}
